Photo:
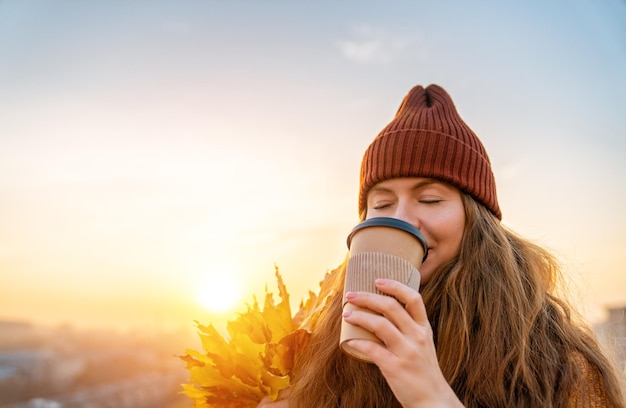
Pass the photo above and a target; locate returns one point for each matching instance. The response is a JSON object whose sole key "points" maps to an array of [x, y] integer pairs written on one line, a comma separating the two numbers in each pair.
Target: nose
{"points": [[406, 212]]}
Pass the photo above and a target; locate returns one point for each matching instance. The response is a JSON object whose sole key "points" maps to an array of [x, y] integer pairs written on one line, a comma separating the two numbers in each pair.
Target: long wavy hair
{"points": [[502, 337]]}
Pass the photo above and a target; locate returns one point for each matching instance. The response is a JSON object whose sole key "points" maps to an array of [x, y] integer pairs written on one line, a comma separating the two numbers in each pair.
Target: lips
{"points": [[430, 251]]}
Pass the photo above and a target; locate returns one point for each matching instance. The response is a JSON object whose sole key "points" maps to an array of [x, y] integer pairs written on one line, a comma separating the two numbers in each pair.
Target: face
{"points": [[433, 207]]}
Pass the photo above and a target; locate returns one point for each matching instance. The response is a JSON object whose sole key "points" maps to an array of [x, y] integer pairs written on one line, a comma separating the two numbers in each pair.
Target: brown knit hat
{"points": [[428, 138]]}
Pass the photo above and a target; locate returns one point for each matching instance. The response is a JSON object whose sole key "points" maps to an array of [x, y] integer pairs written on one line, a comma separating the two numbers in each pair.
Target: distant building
{"points": [[148, 391], [61, 367], [7, 372], [24, 362]]}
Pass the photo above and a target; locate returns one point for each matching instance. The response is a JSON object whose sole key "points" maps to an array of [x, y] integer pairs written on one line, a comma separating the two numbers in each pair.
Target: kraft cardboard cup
{"points": [[379, 248]]}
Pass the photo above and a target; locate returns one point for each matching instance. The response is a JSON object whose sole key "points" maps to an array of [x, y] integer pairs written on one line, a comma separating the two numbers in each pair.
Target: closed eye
{"points": [[431, 201], [381, 206]]}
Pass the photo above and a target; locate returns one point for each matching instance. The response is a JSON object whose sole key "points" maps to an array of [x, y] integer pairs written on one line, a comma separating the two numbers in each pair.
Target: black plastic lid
{"points": [[393, 223]]}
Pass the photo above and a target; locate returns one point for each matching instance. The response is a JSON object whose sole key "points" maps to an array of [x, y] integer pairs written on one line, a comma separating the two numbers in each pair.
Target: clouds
{"points": [[375, 45]]}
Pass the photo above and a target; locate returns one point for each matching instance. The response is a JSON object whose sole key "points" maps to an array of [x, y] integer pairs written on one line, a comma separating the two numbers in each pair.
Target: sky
{"points": [[157, 155]]}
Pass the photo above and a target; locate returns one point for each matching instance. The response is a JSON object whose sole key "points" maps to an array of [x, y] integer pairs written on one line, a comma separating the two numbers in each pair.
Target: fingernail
{"points": [[350, 295], [380, 281], [346, 313]]}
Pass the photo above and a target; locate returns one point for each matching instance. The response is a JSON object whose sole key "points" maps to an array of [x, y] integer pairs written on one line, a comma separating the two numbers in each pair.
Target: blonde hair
{"points": [[502, 337]]}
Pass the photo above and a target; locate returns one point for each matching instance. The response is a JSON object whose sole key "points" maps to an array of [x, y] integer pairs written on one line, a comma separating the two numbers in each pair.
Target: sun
{"points": [[219, 293]]}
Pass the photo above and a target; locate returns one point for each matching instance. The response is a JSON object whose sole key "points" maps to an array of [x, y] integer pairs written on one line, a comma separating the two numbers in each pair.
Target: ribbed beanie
{"points": [[428, 138]]}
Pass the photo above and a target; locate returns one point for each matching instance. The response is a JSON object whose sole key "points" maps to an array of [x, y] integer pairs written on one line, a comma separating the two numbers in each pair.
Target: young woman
{"points": [[486, 329]]}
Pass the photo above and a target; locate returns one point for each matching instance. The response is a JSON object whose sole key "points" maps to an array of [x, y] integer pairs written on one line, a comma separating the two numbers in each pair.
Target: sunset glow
{"points": [[219, 292], [159, 159]]}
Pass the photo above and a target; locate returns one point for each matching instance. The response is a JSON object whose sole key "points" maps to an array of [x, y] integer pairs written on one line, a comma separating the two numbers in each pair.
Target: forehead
{"points": [[407, 182]]}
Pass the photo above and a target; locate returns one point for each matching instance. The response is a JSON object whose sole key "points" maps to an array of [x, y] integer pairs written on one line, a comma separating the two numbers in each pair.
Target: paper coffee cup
{"points": [[379, 248]]}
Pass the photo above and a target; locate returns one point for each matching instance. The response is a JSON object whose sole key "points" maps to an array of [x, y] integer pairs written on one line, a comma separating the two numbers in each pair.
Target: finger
{"points": [[404, 319], [399, 338], [375, 352], [381, 327], [386, 306], [411, 299]]}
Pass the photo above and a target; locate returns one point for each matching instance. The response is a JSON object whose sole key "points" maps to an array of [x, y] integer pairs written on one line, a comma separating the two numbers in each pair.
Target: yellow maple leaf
{"points": [[258, 358]]}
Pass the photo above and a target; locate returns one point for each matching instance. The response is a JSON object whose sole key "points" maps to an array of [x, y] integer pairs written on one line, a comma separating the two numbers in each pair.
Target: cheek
{"points": [[452, 235], [447, 239], [455, 236], [447, 233]]}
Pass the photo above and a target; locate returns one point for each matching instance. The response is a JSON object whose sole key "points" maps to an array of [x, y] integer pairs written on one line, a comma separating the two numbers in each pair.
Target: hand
{"points": [[282, 401], [268, 403], [408, 359]]}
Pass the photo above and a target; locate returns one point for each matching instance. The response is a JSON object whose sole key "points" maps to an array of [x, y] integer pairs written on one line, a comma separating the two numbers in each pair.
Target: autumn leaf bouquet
{"points": [[257, 357]]}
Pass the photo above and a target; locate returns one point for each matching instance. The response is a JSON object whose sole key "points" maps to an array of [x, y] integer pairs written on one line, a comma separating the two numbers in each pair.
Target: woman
{"points": [[486, 329]]}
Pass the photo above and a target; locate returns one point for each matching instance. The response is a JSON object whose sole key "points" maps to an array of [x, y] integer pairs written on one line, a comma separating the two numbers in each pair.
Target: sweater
{"points": [[589, 392]]}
